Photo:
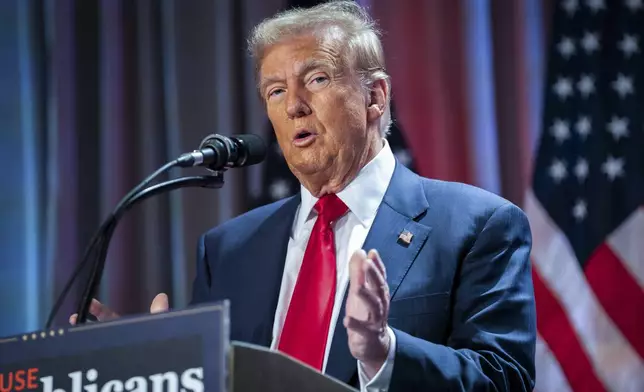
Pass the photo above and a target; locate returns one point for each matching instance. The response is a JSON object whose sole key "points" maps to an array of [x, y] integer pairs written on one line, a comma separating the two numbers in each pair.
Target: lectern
{"points": [[184, 351]]}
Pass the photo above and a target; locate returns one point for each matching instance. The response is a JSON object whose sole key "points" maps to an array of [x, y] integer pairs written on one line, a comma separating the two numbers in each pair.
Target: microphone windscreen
{"points": [[255, 147]]}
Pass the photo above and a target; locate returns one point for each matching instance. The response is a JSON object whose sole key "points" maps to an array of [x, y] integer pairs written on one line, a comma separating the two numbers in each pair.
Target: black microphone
{"points": [[218, 152]]}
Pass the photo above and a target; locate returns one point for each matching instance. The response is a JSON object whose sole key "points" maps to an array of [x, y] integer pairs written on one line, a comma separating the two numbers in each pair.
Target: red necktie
{"points": [[307, 323]]}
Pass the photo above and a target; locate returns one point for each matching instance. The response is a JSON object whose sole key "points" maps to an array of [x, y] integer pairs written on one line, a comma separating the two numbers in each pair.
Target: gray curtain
{"points": [[98, 95]]}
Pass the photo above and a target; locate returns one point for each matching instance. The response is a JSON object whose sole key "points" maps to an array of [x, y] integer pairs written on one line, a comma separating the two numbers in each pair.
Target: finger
{"points": [[373, 274], [377, 284], [160, 303], [374, 304], [73, 319], [377, 260], [101, 312], [97, 309], [356, 270], [362, 327]]}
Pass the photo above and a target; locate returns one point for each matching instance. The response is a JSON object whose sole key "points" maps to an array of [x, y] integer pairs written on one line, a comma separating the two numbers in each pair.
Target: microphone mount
{"points": [[218, 152]]}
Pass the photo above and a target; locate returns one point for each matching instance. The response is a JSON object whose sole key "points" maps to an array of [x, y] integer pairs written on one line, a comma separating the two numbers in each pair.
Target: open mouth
{"points": [[303, 135], [304, 138]]}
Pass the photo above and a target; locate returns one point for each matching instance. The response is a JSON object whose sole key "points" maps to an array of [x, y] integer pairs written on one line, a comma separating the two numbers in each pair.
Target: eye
{"points": [[319, 79], [275, 92]]}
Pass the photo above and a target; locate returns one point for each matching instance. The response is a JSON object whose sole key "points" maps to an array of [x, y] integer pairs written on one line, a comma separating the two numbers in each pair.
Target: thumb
{"points": [[160, 304]]}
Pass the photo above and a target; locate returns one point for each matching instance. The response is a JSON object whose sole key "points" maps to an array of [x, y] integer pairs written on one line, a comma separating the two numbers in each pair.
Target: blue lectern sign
{"points": [[182, 351]]}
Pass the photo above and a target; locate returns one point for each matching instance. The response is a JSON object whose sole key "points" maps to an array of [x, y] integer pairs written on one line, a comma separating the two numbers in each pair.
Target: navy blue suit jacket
{"points": [[462, 303]]}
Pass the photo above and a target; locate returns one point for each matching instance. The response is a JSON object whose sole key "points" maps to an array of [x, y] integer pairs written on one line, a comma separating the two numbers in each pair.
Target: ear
{"points": [[376, 100]]}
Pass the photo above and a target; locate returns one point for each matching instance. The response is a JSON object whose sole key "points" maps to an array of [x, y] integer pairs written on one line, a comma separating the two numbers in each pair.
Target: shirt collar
{"points": [[363, 195]]}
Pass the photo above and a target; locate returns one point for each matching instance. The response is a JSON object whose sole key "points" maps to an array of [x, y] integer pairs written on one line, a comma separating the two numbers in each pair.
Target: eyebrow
{"points": [[305, 67]]}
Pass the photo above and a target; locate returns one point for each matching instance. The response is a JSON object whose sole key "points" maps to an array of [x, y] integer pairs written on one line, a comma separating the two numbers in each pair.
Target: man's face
{"points": [[317, 107]]}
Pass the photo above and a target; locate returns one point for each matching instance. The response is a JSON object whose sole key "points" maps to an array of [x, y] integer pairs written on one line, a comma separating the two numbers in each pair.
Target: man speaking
{"points": [[376, 276]]}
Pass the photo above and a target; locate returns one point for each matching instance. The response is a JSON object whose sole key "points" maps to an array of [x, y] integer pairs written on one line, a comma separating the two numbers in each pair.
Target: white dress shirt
{"points": [[363, 197]]}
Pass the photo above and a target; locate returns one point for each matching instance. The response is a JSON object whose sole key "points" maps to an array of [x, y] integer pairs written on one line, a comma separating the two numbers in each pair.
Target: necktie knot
{"points": [[329, 208]]}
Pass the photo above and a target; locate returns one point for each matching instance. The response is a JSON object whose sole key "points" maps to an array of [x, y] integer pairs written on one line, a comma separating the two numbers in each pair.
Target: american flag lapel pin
{"points": [[406, 237]]}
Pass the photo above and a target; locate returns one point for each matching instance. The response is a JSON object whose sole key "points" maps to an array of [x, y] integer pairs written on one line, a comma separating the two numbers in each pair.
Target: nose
{"points": [[296, 105]]}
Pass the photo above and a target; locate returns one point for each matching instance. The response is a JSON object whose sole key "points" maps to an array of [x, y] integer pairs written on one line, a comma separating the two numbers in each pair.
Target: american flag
{"points": [[586, 202], [279, 182]]}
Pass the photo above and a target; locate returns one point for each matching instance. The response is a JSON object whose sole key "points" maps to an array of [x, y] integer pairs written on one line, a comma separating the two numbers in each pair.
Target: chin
{"points": [[308, 166]]}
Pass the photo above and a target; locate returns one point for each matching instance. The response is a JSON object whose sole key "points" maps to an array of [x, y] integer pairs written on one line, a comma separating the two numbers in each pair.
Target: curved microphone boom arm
{"points": [[210, 181], [216, 152], [100, 242]]}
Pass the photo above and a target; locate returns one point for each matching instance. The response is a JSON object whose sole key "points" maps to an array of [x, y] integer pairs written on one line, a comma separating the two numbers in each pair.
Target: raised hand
{"points": [[367, 310]]}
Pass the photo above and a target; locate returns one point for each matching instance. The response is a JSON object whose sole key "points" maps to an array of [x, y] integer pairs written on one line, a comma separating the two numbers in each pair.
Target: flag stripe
{"points": [[619, 294], [626, 242], [556, 329], [550, 376], [614, 360]]}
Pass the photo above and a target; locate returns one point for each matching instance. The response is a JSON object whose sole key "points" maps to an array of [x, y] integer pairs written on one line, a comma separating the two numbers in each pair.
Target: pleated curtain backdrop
{"points": [[97, 95]]}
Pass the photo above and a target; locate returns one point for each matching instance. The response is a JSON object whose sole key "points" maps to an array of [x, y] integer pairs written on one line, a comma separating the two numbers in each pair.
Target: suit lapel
{"points": [[265, 280], [404, 202]]}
